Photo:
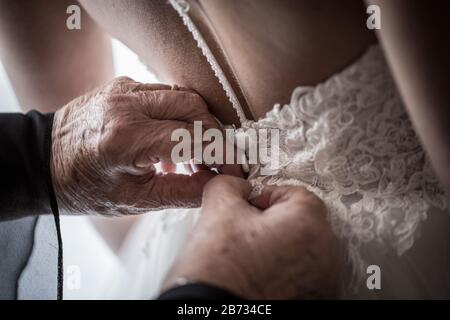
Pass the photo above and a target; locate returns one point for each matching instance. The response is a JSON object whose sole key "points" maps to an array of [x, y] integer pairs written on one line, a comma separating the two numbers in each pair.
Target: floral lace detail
{"points": [[349, 140]]}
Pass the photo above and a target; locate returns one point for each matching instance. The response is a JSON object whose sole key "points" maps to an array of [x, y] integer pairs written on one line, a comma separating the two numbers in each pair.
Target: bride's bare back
{"points": [[266, 48]]}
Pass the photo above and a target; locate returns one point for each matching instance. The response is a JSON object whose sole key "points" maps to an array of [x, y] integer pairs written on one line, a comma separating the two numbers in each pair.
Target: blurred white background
{"points": [[85, 250]]}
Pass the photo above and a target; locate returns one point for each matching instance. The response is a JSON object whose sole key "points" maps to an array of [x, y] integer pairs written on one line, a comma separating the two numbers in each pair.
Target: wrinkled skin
{"points": [[279, 246], [105, 145]]}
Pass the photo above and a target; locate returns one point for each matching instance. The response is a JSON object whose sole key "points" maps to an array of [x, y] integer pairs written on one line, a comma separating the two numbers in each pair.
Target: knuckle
{"points": [[110, 100], [194, 100], [218, 182], [185, 89], [215, 182], [112, 138], [209, 185], [304, 195], [309, 205], [313, 227], [300, 191], [151, 98], [106, 150], [122, 79], [119, 84]]}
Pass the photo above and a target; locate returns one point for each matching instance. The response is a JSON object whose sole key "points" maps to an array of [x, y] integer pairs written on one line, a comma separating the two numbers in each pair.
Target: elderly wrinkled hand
{"points": [[105, 145], [278, 246]]}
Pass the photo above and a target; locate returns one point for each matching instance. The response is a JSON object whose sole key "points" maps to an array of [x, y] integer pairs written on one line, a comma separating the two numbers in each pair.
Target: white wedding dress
{"points": [[349, 140]]}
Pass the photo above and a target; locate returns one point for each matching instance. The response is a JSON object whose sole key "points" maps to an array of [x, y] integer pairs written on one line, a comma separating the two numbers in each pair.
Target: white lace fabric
{"points": [[349, 140]]}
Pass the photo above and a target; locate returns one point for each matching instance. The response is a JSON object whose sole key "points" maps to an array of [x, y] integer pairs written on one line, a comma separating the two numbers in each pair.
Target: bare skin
{"points": [[414, 35], [105, 145], [49, 65], [297, 43], [270, 47]]}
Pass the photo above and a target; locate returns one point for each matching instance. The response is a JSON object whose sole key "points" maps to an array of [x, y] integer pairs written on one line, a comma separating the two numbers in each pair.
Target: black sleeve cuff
{"points": [[26, 187], [198, 291]]}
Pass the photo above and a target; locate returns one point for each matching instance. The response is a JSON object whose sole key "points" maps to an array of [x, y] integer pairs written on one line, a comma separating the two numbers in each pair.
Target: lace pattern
{"points": [[349, 140]]}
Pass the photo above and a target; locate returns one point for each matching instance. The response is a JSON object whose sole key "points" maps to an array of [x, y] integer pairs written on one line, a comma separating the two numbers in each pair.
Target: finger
{"points": [[170, 141], [299, 212], [126, 85], [136, 87], [119, 85], [277, 196], [180, 88], [176, 142], [285, 205], [226, 189], [211, 148], [174, 117], [174, 105], [179, 190], [269, 196]]}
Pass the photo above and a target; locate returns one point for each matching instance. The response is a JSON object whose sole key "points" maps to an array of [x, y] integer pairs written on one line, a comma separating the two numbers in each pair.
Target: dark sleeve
{"points": [[25, 146], [198, 291], [25, 179]]}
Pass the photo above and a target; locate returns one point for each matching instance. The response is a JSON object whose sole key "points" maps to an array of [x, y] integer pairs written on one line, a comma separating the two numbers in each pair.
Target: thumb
{"points": [[228, 190], [287, 200], [271, 195]]}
